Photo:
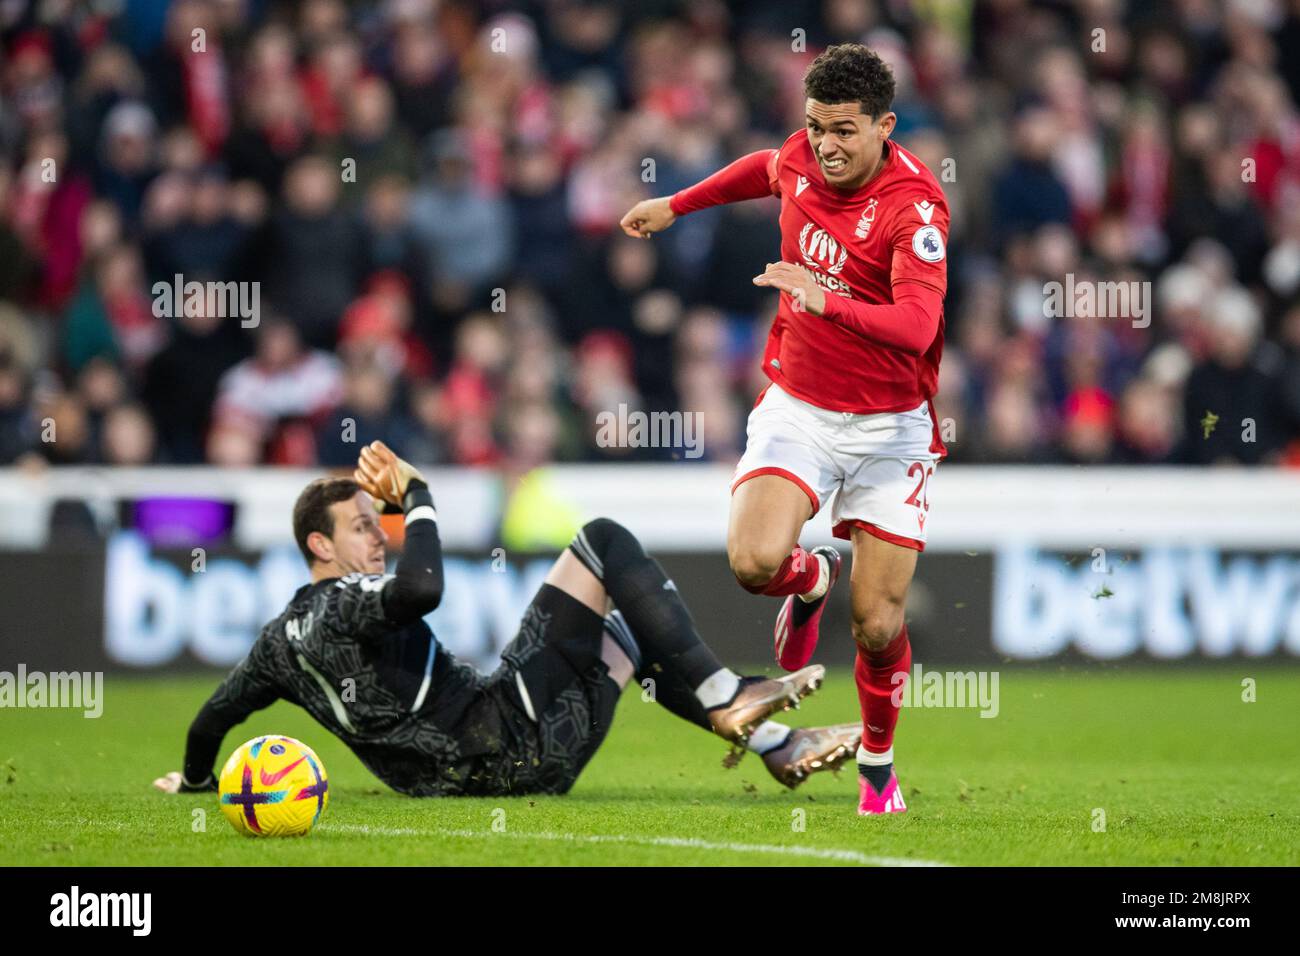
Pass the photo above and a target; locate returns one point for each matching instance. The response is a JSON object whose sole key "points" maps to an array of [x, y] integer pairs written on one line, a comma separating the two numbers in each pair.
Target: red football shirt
{"points": [[883, 245]]}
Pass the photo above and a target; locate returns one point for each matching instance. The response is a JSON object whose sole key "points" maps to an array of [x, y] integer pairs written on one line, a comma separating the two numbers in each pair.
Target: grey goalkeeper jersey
{"points": [[416, 717]]}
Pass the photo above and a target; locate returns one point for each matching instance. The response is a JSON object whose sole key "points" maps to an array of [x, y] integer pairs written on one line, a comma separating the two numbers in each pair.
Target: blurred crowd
{"points": [[426, 194]]}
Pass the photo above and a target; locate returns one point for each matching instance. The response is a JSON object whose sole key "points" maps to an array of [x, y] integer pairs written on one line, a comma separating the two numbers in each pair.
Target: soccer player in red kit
{"points": [[853, 358]]}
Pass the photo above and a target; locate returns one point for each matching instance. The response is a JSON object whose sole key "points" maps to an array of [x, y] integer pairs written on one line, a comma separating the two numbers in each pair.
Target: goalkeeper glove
{"points": [[390, 480]]}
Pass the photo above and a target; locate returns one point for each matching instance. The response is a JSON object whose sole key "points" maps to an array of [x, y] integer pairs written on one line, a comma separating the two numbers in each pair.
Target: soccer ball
{"points": [[273, 786]]}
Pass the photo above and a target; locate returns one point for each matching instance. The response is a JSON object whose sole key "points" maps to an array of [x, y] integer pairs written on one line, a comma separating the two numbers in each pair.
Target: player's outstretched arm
{"points": [[749, 177], [417, 584], [648, 217], [245, 690]]}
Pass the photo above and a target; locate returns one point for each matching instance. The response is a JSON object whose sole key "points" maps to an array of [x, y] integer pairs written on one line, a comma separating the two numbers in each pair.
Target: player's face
{"points": [[358, 539], [846, 141]]}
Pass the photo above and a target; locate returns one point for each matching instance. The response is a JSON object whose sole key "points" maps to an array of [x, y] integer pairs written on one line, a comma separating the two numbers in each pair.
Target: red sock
{"points": [[797, 575], [878, 690]]}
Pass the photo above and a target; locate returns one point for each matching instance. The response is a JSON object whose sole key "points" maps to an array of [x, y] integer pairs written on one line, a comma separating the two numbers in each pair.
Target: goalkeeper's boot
{"points": [[759, 698], [811, 749], [887, 800], [796, 625]]}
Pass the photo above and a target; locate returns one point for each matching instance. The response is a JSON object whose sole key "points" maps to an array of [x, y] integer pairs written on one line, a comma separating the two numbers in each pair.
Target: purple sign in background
{"points": [[181, 522]]}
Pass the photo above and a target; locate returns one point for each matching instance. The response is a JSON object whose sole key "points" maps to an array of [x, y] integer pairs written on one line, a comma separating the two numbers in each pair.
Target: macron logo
{"points": [[801, 185], [133, 910], [925, 209]]}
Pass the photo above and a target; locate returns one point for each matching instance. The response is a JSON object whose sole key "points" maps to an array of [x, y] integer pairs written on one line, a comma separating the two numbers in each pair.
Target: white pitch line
{"points": [[819, 853]]}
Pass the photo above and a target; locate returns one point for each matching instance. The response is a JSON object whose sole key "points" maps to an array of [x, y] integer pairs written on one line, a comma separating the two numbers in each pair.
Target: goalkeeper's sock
{"points": [[880, 676], [660, 678], [768, 736], [800, 573], [671, 692], [718, 689], [653, 609]]}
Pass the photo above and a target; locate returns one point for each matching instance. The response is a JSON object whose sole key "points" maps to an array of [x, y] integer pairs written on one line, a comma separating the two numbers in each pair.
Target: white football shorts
{"points": [[881, 465]]}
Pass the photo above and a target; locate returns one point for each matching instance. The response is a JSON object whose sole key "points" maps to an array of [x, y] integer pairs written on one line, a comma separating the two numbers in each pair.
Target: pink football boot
{"points": [[890, 801]]}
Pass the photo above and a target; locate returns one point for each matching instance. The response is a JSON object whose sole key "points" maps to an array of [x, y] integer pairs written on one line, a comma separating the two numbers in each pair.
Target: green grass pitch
{"points": [[1185, 772]]}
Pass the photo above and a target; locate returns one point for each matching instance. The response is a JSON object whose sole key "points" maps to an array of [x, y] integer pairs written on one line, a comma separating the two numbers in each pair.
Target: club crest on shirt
{"points": [[927, 243], [868, 217]]}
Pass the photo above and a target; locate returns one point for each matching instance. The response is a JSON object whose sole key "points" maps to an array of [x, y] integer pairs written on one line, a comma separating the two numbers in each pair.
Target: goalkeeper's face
{"points": [[358, 540]]}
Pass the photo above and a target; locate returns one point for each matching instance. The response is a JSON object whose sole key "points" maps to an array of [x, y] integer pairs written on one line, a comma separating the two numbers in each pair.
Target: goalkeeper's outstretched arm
{"points": [[416, 587], [244, 691], [417, 583]]}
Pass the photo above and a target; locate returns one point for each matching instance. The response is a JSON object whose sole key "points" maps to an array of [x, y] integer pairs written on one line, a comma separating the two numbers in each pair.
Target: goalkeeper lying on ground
{"points": [[353, 650]]}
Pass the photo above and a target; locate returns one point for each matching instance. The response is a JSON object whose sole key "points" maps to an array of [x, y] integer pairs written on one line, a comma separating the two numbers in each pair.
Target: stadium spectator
{"points": [[279, 396], [49, 197], [128, 158], [495, 146], [18, 426], [271, 126], [195, 231], [370, 145], [1230, 409], [112, 313], [1028, 193], [473, 388], [467, 234], [179, 386], [314, 251], [128, 436], [367, 409], [390, 242], [65, 437]]}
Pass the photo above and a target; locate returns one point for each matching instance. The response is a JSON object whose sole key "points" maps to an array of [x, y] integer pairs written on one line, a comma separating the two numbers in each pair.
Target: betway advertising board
{"points": [[1030, 570], [130, 607]]}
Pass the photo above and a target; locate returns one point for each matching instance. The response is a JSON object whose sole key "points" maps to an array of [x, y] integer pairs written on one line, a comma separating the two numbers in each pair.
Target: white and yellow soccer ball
{"points": [[273, 786]]}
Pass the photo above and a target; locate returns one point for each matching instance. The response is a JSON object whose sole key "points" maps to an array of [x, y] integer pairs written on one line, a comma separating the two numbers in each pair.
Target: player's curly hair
{"points": [[311, 512], [849, 72]]}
